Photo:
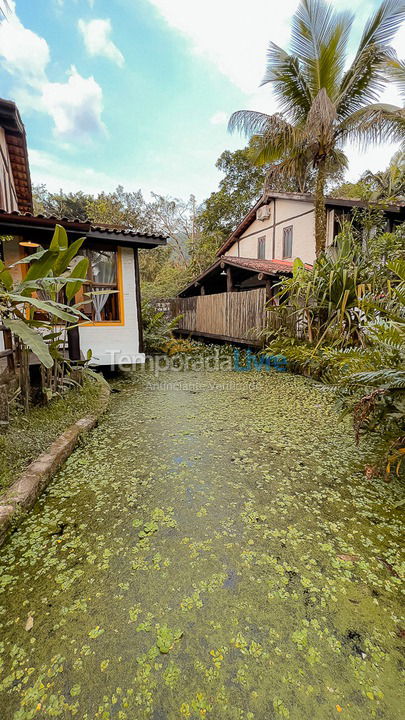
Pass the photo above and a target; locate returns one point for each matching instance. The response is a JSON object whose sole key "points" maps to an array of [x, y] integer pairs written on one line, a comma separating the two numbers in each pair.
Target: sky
{"points": [[139, 92]]}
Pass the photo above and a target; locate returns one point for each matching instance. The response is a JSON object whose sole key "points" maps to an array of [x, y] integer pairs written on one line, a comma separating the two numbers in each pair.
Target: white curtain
{"points": [[104, 271]]}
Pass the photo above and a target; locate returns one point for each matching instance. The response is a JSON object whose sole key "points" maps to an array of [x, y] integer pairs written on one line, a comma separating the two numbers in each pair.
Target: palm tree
{"points": [[322, 103], [388, 184], [4, 8]]}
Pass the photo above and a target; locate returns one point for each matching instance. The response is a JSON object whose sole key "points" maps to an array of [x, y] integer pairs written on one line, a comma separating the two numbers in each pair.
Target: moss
{"points": [[29, 435]]}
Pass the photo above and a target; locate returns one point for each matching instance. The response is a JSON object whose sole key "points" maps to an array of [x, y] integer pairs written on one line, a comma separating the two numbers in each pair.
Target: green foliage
{"points": [[166, 638], [343, 322], [375, 392], [42, 290], [157, 329]]}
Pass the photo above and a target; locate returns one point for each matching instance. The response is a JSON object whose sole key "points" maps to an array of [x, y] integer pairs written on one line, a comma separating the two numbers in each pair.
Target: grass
{"points": [[29, 436]]}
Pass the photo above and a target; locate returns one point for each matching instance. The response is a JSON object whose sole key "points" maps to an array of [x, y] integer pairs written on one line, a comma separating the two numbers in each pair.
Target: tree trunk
{"points": [[320, 209]]}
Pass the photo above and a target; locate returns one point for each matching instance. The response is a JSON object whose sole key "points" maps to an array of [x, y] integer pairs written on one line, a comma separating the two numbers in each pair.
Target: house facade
{"points": [[278, 229], [230, 300], [113, 331]]}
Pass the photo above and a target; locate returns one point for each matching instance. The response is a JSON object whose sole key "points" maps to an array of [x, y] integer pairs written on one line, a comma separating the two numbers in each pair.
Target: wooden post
{"points": [[8, 345], [4, 416], [269, 290], [229, 280], [73, 339], [138, 301], [202, 291]]}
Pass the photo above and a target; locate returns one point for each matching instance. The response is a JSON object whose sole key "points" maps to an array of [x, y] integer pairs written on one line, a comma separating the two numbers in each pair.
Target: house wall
{"points": [[8, 195], [109, 343], [284, 212]]}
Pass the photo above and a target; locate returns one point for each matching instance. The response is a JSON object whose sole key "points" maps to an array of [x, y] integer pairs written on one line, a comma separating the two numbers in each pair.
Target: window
{"points": [[261, 248], [287, 241], [102, 275]]}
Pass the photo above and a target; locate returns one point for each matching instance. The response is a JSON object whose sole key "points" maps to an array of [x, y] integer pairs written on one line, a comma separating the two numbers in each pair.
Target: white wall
{"points": [[117, 344], [297, 213]]}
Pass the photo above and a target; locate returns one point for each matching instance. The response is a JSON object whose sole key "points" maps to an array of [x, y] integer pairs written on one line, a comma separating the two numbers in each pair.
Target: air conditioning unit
{"points": [[263, 213]]}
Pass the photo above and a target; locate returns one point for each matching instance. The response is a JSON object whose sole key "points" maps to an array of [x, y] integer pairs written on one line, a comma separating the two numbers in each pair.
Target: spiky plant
{"points": [[376, 392], [323, 103]]}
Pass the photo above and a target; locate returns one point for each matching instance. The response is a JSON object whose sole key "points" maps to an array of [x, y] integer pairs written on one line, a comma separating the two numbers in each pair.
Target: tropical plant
{"points": [[157, 328], [39, 312], [375, 391], [321, 305], [388, 184], [324, 103]]}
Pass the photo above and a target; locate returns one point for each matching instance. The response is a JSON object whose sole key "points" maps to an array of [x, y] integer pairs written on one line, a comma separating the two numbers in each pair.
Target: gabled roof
{"points": [[14, 130], [330, 202], [41, 227]]}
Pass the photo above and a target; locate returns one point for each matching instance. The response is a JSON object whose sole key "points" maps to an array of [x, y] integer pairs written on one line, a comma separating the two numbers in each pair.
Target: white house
{"points": [[114, 330]]}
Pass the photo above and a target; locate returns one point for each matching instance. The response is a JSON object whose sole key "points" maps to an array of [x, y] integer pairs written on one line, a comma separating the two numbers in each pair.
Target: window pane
{"points": [[261, 248], [102, 275], [287, 241]]}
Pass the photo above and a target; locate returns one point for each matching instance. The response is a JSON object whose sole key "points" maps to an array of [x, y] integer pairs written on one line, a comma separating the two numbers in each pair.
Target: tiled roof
{"points": [[85, 226], [14, 131], [268, 267]]}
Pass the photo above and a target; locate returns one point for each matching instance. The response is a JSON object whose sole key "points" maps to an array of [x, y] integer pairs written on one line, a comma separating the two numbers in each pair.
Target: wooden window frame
{"points": [[288, 229]]}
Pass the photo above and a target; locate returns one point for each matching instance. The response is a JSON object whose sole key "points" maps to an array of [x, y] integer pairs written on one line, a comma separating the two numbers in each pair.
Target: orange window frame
{"points": [[120, 286]]}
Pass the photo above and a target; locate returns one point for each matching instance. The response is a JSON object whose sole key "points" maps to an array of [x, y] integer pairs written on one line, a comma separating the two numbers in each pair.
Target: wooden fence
{"points": [[233, 316]]}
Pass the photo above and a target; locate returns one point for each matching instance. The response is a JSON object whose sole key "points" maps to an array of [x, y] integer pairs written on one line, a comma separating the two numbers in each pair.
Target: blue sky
{"points": [[138, 92]]}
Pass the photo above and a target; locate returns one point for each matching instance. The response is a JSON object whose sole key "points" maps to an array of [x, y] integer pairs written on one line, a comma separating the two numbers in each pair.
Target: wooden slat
{"points": [[235, 315]]}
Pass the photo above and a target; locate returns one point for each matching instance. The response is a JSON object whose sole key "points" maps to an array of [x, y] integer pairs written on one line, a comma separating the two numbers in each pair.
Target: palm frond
{"points": [[383, 24], [272, 137], [384, 378], [374, 123], [319, 38], [248, 122], [364, 80], [289, 85], [396, 69]]}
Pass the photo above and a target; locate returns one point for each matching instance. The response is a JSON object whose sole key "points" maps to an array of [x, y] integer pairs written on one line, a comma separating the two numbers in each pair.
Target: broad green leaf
{"points": [[48, 307], [59, 240], [67, 255], [29, 258], [6, 278], [40, 268], [31, 338], [80, 272]]}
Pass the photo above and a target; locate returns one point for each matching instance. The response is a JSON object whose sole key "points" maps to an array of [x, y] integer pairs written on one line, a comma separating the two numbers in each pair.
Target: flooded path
{"points": [[213, 550]]}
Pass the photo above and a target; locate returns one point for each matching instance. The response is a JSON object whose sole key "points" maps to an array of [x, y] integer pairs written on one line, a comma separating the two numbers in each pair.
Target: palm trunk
{"points": [[320, 209]]}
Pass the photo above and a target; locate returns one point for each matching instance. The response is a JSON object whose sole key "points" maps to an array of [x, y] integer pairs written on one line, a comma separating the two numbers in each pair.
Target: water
{"points": [[211, 550]]}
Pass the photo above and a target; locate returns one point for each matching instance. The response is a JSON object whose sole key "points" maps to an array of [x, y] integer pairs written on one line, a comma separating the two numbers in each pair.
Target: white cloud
{"points": [[55, 174], [96, 35], [219, 118], [75, 106], [25, 54], [233, 35]]}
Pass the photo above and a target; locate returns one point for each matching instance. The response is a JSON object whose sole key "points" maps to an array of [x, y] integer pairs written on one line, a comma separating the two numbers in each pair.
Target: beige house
{"points": [[229, 301], [278, 229]]}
